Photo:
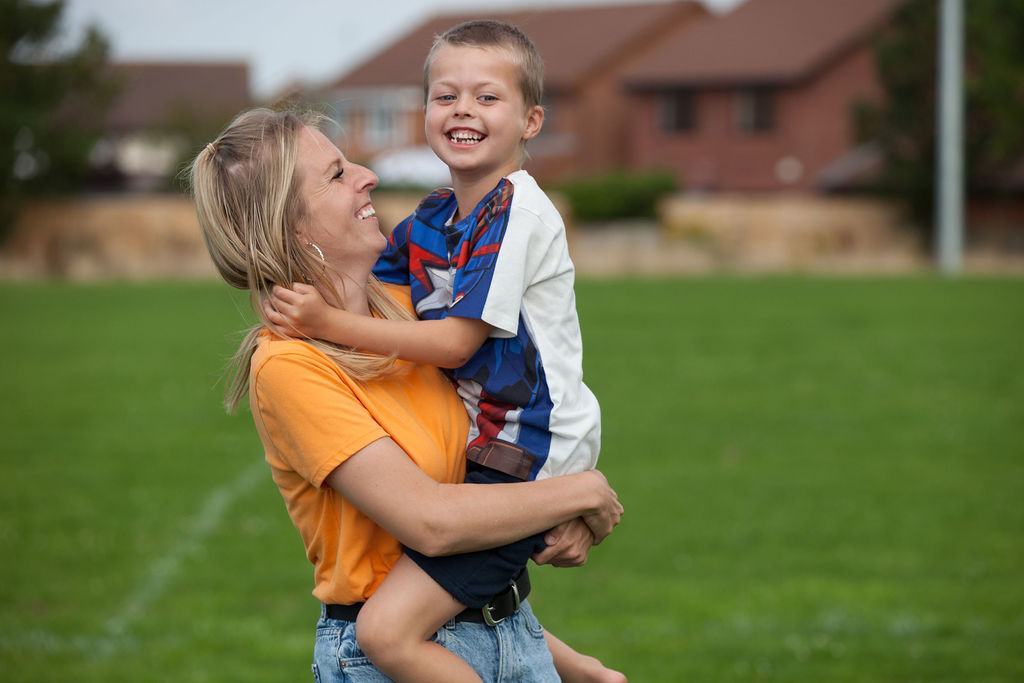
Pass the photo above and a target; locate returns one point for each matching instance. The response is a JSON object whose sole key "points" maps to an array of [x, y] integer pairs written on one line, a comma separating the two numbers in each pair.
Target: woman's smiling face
{"points": [[341, 220]]}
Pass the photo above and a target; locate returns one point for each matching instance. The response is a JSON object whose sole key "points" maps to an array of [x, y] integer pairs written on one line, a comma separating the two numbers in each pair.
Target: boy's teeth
{"points": [[462, 136]]}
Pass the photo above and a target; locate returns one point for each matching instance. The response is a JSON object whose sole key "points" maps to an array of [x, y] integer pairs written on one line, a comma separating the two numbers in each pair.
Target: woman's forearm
{"points": [[442, 519], [475, 516]]}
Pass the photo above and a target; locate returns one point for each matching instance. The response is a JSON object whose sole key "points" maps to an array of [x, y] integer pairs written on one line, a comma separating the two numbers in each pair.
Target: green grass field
{"points": [[823, 481]]}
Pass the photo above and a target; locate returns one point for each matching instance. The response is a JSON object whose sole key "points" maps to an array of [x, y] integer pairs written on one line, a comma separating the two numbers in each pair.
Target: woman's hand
{"points": [[569, 544], [608, 514], [300, 310]]}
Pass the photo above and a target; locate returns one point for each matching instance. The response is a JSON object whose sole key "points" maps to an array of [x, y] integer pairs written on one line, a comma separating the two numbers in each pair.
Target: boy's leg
{"points": [[395, 625], [575, 667]]}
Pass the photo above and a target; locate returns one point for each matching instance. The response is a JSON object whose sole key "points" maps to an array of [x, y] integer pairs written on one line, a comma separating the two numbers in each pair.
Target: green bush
{"points": [[617, 195]]}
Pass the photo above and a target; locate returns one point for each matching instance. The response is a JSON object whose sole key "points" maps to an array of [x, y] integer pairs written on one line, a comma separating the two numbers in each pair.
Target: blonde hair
{"points": [[245, 185], [488, 33]]}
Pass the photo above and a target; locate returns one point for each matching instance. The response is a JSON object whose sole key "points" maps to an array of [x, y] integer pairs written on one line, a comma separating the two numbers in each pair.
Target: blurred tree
{"points": [[52, 103], [904, 126]]}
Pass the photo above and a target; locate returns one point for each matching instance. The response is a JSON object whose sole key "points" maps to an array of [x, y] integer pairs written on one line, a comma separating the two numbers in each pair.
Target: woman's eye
{"points": [[338, 175]]}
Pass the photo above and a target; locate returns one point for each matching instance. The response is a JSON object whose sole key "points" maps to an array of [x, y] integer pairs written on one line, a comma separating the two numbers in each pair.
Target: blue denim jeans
{"points": [[512, 651]]}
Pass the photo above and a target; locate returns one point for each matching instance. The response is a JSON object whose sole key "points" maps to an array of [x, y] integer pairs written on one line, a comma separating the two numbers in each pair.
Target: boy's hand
{"points": [[300, 310], [568, 545]]}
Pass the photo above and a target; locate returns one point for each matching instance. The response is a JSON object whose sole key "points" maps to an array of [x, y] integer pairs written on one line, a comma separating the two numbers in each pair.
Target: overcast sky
{"points": [[306, 40]]}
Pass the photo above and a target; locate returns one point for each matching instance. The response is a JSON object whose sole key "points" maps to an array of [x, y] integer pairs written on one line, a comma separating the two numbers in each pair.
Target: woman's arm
{"points": [[442, 519]]}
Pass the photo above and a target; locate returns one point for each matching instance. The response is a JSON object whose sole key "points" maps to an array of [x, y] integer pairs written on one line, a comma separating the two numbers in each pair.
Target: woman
{"points": [[366, 450]]}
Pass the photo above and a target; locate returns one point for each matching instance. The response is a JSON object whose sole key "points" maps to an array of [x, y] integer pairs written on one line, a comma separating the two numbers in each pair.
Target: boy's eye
{"points": [[445, 98], [488, 98]]}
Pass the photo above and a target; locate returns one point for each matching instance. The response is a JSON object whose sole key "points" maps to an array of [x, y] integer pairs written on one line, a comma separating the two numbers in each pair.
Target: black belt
{"points": [[501, 606]]}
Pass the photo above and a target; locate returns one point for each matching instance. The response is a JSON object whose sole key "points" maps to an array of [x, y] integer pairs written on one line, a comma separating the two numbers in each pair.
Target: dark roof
{"points": [[762, 41], [153, 92], [573, 41]]}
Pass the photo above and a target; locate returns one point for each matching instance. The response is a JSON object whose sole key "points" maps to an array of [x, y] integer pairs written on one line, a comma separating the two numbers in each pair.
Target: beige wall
{"points": [[779, 232], [135, 236], [157, 236], [130, 236]]}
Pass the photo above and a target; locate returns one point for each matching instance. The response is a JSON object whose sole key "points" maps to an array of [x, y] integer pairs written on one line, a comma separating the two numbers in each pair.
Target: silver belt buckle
{"points": [[487, 609]]}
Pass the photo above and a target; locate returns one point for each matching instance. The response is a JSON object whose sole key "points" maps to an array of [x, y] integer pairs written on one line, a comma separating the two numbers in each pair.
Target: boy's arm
{"points": [[447, 343]]}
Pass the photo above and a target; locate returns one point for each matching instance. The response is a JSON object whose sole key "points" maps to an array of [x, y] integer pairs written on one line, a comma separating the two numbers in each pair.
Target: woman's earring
{"points": [[320, 253]]}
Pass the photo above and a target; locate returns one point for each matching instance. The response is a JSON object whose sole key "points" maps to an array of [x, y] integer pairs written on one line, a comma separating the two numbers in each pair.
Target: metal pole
{"points": [[949, 181]]}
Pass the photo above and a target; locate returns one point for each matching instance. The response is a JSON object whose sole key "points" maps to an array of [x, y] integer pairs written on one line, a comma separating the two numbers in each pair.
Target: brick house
{"points": [[755, 99], [380, 102], [158, 105], [760, 98]]}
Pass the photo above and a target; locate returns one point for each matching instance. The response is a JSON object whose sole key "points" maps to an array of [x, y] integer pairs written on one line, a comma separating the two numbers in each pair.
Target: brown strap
{"points": [[504, 457]]}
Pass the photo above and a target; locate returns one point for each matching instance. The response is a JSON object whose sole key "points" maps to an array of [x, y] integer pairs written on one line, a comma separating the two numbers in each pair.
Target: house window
{"points": [[551, 113], [382, 126], [755, 109], [552, 142], [549, 127], [342, 114], [677, 111]]}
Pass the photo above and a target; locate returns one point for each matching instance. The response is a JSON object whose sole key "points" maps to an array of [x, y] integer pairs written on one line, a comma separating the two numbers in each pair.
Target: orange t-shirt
{"points": [[311, 417]]}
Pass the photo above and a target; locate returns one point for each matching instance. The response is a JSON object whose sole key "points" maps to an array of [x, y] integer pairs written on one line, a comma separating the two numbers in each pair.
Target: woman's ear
{"points": [[534, 121], [301, 230]]}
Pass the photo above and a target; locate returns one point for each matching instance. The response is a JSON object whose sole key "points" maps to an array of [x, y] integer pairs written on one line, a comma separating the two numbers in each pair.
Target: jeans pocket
{"points": [[532, 624], [337, 657], [361, 670], [444, 633]]}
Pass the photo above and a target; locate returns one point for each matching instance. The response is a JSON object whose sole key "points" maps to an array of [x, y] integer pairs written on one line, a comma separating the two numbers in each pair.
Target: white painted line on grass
{"points": [[154, 583], [166, 567]]}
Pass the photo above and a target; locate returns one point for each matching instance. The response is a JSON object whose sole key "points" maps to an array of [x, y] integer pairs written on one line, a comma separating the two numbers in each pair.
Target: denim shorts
{"points": [[512, 651]]}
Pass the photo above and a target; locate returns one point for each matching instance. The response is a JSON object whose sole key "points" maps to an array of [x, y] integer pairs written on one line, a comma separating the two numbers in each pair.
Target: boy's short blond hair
{"points": [[489, 33]]}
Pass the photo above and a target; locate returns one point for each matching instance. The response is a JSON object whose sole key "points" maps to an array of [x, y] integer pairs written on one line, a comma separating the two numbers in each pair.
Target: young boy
{"points": [[491, 278]]}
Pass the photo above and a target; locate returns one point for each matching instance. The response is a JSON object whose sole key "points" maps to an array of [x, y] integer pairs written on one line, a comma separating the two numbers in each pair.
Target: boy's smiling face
{"points": [[476, 121]]}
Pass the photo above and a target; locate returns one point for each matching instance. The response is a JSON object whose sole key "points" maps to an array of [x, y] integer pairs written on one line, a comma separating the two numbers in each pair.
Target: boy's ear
{"points": [[534, 121]]}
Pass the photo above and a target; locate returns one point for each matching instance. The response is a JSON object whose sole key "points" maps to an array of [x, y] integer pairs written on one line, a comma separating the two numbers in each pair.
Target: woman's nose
{"points": [[367, 178]]}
